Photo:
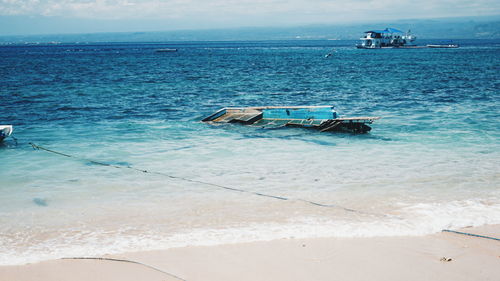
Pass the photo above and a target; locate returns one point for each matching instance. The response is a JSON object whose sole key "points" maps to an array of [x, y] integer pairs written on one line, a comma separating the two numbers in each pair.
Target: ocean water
{"points": [[431, 163]]}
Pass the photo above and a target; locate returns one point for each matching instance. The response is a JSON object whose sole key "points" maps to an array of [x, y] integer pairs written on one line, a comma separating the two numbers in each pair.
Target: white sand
{"points": [[383, 258]]}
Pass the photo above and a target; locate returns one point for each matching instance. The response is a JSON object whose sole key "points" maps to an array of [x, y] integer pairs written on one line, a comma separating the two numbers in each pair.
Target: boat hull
{"points": [[167, 50], [450, 46]]}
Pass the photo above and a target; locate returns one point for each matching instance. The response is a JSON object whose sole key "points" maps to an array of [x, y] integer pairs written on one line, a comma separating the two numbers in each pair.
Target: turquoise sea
{"points": [[431, 163]]}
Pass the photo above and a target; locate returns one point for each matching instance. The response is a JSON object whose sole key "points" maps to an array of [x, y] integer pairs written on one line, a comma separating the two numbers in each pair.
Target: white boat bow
{"points": [[5, 131]]}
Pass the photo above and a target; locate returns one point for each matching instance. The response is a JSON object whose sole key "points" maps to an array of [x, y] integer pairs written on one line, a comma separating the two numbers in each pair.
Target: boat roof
{"points": [[387, 30], [271, 107]]}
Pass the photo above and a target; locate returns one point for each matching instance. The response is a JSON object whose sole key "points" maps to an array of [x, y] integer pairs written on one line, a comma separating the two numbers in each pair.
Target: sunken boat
{"points": [[322, 118]]}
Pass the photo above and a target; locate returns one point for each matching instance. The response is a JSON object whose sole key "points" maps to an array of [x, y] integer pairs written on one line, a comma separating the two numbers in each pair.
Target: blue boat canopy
{"points": [[387, 30]]}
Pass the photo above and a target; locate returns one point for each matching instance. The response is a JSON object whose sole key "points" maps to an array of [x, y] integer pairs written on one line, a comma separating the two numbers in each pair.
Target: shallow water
{"points": [[430, 163]]}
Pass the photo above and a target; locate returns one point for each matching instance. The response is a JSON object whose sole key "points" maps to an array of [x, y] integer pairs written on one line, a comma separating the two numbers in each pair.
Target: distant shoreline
{"points": [[329, 42], [51, 30]]}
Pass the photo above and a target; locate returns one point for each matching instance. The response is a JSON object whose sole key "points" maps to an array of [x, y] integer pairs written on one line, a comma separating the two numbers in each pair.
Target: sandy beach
{"points": [[442, 256]]}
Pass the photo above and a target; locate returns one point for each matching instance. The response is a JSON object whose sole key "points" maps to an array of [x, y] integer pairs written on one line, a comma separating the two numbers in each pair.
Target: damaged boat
{"points": [[322, 118]]}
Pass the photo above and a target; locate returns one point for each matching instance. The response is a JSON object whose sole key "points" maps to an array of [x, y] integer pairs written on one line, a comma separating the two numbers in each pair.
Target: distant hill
{"points": [[450, 28]]}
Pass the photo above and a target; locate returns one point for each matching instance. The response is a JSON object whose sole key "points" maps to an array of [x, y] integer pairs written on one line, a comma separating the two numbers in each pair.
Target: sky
{"points": [[19, 17]]}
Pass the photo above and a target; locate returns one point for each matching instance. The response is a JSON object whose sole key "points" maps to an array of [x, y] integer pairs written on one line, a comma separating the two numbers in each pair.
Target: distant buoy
{"points": [[330, 53], [165, 50]]}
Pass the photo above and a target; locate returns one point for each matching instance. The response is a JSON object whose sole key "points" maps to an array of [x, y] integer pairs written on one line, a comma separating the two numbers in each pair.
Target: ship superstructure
{"points": [[387, 38]]}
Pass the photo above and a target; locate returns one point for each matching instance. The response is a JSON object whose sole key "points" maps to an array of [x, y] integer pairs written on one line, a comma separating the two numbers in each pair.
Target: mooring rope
{"points": [[471, 234], [15, 139], [38, 147], [124, 260]]}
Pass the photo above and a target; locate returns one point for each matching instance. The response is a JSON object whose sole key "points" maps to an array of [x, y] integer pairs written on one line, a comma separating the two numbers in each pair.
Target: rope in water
{"points": [[38, 147], [471, 234], [124, 260]]}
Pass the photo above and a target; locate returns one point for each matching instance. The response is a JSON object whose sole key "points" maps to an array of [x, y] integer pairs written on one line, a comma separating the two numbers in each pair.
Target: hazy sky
{"points": [[68, 16]]}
